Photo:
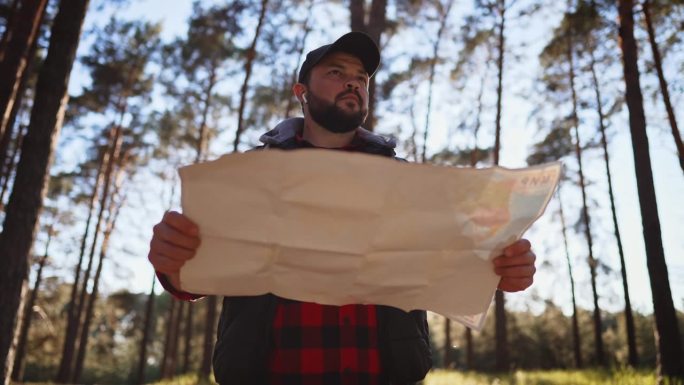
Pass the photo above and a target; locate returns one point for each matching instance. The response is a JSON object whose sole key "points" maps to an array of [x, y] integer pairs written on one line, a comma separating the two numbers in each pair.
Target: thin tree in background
{"points": [[250, 55], [633, 356], [668, 339], [443, 10], [17, 54], [299, 47], [146, 334], [25, 203], [19, 359], [657, 59], [593, 263]]}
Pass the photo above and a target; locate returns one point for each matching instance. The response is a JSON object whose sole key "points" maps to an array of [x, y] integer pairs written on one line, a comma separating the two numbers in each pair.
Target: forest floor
{"points": [[553, 377]]}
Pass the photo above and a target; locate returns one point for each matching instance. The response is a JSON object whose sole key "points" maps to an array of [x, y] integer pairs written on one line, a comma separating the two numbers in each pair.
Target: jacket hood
{"points": [[288, 129]]}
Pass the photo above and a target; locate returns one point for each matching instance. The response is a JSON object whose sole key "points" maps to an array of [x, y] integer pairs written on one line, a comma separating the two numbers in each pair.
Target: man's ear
{"points": [[299, 90]]}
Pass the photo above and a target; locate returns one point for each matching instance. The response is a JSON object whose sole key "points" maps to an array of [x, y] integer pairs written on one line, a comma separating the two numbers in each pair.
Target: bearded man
{"points": [[271, 340]]}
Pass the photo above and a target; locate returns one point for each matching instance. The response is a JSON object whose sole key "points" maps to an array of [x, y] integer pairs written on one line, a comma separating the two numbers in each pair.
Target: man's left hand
{"points": [[516, 266]]}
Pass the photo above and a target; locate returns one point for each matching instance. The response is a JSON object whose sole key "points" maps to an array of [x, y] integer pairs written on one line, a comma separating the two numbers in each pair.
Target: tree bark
{"points": [[502, 359], [629, 318], [202, 140], [299, 48], [170, 319], [32, 174], [251, 55], [149, 313], [576, 341], [187, 344], [18, 370], [658, 61], [16, 55], [447, 343], [669, 358]]}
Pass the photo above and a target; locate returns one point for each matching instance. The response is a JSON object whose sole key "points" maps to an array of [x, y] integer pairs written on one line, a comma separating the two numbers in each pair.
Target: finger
{"points": [[512, 285], [175, 237], [180, 222], [518, 247], [516, 271], [527, 258], [164, 264], [170, 250]]}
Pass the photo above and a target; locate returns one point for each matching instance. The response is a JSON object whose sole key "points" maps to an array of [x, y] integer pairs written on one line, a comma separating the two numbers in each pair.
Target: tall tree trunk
{"points": [[114, 210], [203, 139], [113, 154], [209, 330], [629, 318], [18, 104], [170, 319], [431, 80], [32, 175], [11, 163], [149, 313], [373, 25], [576, 342], [18, 370], [593, 263], [657, 60], [667, 331], [470, 356], [16, 56], [502, 359], [251, 55], [68, 347]]}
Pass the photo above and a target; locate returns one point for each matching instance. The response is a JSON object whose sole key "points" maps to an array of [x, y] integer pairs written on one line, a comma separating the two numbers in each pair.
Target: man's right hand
{"points": [[175, 240]]}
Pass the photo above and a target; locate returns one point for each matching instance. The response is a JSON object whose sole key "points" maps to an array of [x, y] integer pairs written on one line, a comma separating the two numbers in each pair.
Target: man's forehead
{"points": [[339, 57]]}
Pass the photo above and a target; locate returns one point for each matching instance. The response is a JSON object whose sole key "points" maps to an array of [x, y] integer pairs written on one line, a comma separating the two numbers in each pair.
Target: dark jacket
{"points": [[244, 330]]}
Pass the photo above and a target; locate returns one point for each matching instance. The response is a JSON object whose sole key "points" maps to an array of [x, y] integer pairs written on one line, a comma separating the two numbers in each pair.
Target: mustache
{"points": [[347, 93]]}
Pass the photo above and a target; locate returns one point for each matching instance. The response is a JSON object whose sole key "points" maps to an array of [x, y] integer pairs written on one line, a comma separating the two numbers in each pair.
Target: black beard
{"points": [[333, 118]]}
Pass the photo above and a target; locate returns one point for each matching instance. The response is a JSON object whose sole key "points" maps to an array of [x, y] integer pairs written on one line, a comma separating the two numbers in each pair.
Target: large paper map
{"points": [[340, 228]]}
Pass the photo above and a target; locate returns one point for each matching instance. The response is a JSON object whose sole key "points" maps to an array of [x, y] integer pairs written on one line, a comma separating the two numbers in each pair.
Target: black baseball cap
{"points": [[355, 43]]}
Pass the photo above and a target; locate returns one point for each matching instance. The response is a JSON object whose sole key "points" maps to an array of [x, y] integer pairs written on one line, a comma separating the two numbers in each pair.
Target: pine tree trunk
{"points": [[17, 106], [374, 27], [32, 174], [251, 55], [593, 263], [576, 342], [209, 332], [149, 313], [202, 140], [470, 356], [658, 61], [71, 332], [16, 56], [629, 318], [172, 366], [502, 359], [18, 371], [667, 330]]}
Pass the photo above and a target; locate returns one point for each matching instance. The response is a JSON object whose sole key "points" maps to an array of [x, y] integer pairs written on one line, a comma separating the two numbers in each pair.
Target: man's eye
{"points": [[334, 72], [362, 79]]}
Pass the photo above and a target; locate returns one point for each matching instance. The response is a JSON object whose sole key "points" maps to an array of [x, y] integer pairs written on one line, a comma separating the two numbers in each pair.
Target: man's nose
{"points": [[353, 84]]}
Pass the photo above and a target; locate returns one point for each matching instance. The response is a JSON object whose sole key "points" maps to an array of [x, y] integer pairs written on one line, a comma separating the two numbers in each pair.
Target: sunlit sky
{"points": [[127, 266]]}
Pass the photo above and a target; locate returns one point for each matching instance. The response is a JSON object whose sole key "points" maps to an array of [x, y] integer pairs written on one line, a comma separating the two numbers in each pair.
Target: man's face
{"points": [[338, 92]]}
